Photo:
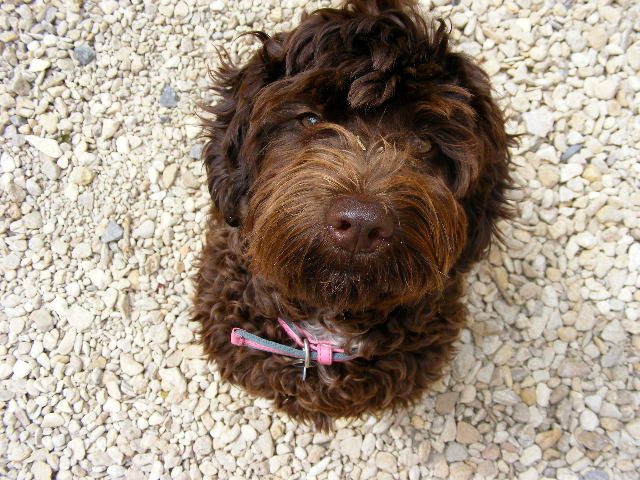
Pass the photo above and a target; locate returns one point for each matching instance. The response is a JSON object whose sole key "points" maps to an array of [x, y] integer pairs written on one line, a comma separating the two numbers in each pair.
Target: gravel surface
{"points": [[102, 207]]}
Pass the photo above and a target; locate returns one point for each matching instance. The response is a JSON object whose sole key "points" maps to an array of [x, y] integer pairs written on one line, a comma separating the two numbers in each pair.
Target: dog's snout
{"points": [[359, 225]]}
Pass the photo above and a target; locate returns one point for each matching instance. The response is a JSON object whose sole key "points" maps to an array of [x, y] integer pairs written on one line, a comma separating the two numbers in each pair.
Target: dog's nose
{"points": [[358, 225]]}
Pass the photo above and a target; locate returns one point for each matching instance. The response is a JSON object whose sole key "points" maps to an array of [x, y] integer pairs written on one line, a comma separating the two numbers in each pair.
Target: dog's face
{"points": [[362, 160]]}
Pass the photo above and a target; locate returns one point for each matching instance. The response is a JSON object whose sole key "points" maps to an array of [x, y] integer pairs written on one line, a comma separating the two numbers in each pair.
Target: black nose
{"points": [[359, 225]]}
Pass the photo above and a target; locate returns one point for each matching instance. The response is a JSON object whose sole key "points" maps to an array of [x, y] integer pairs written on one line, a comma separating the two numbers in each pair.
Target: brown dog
{"points": [[360, 167]]}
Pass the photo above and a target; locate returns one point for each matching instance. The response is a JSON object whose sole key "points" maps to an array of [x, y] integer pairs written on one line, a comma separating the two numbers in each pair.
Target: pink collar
{"points": [[323, 352]]}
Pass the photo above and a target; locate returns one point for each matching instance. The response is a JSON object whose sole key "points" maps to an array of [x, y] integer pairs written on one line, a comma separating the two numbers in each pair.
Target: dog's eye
{"points": [[422, 145], [310, 119]]}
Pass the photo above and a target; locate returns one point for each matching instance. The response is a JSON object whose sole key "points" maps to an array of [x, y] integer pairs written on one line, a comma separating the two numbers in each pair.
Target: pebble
{"points": [[202, 446], [531, 455], [144, 230], [569, 171], [538, 122], [39, 65], [467, 433], [32, 220], [48, 146], [588, 420], [169, 97], [52, 420], [80, 318], [7, 163], [387, 462], [77, 448], [549, 438], [596, 475], [81, 176], [21, 369], [592, 440], [248, 433], [463, 361], [571, 151], [446, 402], [217, 5], [112, 233], [67, 342], [614, 332], [169, 175], [122, 145], [265, 445], [196, 151], [454, 452], [49, 122], [50, 170], [506, 397], [41, 471], [109, 128], [20, 84], [460, 471], [573, 368], [548, 175], [108, 6], [84, 54], [42, 320], [633, 429], [606, 89], [129, 365], [81, 250]]}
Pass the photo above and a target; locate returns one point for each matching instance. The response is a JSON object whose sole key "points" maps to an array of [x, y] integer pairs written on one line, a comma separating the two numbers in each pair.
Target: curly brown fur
{"points": [[366, 102]]}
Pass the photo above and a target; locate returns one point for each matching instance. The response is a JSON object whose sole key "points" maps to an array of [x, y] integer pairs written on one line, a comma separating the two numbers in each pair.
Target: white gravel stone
{"points": [[21, 369], [39, 65], [614, 332], [109, 128], [455, 452], [202, 446], [531, 455], [67, 342], [633, 428], [569, 171], [50, 169], [77, 448], [217, 5], [352, 447], [543, 393], [33, 220], [387, 462], [467, 433], [48, 146], [506, 397], [145, 229], [42, 320], [81, 176], [538, 122], [52, 420], [265, 445], [80, 318], [7, 163], [129, 365], [588, 420], [40, 470]]}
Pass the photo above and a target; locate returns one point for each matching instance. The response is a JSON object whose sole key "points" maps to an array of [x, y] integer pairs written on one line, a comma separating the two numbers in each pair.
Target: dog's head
{"points": [[361, 158]]}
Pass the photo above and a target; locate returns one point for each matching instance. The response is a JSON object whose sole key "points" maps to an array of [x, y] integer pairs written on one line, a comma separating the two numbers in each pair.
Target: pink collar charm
{"points": [[322, 352]]}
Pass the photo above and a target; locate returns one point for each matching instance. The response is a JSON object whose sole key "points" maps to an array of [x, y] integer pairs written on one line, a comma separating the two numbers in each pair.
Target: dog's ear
{"points": [[229, 166], [485, 201]]}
